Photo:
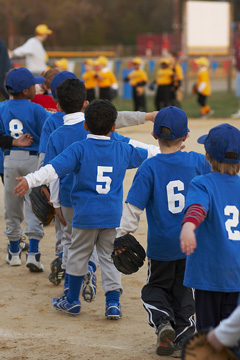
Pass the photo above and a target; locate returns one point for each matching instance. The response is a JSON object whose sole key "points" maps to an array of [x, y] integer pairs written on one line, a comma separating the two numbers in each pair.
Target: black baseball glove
{"points": [[41, 205], [198, 348], [128, 255]]}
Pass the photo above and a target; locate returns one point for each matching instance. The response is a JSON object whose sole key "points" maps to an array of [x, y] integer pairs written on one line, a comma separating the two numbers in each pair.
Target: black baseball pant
{"points": [[165, 297]]}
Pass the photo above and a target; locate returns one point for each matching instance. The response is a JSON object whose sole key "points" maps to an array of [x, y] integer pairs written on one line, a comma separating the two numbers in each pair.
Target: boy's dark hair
{"points": [[100, 116], [71, 94], [168, 142]]}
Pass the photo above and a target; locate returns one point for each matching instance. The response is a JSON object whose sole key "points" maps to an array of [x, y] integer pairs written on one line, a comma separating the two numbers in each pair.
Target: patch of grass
{"points": [[223, 103]]}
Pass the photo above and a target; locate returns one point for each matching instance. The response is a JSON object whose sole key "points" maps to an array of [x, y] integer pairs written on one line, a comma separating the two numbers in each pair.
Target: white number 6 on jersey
{"points": [[232, 223], [176, 202], [103, 179]]}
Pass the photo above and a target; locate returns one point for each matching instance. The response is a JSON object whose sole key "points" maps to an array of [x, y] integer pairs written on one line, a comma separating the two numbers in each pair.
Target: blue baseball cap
{"points": [[60, 77], [172, 118], [20, 79], [220, 141]]}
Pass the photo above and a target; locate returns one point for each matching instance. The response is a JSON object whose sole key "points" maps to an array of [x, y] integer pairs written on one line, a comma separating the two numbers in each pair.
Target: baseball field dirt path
{"points": [[30, 329]]}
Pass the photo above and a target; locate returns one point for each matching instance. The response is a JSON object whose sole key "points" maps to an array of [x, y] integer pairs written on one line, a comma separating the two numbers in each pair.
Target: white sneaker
{"points": [[236, 115], [33, 262], [14, 259]]}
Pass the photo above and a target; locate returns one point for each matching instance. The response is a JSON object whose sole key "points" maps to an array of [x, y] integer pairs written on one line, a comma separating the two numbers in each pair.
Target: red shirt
{"points": [[46, 101], [237, 54]]}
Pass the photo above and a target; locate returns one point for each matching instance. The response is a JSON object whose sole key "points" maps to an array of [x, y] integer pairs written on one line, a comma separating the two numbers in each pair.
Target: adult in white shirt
{"points": [[34, 51]]}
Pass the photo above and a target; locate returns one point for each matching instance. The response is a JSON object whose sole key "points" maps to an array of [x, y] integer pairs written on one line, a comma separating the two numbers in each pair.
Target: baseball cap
{"points": [[137, 60], [42, 29], [220, 141], [60, 77], [20, 79], [62, 63], [172, 118], [203, 61]]}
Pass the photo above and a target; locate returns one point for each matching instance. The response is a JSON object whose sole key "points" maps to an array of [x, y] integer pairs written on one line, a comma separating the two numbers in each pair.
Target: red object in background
{"points": [[45, 101], [16, 65], [158, 43], [226, 64], [194, 66]]}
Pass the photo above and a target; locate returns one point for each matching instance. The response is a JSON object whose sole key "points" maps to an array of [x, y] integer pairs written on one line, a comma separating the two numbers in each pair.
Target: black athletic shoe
{"points": [[165, 338], [57, 273]]}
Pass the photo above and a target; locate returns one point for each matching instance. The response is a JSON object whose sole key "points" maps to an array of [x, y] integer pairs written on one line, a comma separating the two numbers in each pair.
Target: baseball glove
{"points": [[128, 255], [41, 205], [198, 348], [194, 89]]}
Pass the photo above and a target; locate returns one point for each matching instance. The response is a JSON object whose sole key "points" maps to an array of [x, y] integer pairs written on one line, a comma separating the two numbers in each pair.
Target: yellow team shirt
{"points": [[108, 78], [203, 82], [137, 76], [164, 77], [89, 79]]}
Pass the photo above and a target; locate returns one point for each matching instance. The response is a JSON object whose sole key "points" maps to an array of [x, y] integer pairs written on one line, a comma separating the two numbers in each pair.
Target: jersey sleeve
{"points": [[26, 49], [197, 193], [130, 118], [68, 161], [50, 151], [142, 184], [137, 156], [46, 132]]}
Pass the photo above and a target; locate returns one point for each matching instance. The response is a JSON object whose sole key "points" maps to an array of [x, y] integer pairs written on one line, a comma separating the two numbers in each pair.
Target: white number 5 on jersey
{"points": [[232, 223], [103, 179]]}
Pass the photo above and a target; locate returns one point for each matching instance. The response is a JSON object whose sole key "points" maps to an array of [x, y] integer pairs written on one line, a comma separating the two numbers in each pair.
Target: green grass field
{"points": [[223, 103]]}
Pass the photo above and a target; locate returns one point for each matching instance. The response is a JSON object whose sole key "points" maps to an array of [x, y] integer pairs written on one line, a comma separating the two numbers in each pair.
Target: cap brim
{"points": [[201, 139], [39, 79]]}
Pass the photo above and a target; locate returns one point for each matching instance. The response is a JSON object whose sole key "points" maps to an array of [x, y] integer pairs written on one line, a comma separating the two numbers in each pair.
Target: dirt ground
{"points": [[30, 329]]}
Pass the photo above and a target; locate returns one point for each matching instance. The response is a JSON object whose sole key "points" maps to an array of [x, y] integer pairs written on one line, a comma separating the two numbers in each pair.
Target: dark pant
{"points": [[162, 98], [104, 93], [91, 95], [212, 307], [165, 297], [202, 99], [139, 101]]}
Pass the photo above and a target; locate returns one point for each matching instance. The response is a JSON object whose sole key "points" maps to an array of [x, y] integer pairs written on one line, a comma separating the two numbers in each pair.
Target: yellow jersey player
{"points": [[89, 78], [138, 79], [106, 79], [202, 87], [176, 89], [164, 81]]}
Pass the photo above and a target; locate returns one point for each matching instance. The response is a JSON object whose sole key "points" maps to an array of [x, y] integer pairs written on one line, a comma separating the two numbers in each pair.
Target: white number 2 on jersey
{"points": [[232, 223], [16, 126], [176, 201], [103, 179]]}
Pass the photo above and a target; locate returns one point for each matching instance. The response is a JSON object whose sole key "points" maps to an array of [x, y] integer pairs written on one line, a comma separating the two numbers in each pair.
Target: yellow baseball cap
{"points": [[164, 61], [62, 63], [102, 60], [42, 29], [88, 62], [137, 60], [203, 61]]}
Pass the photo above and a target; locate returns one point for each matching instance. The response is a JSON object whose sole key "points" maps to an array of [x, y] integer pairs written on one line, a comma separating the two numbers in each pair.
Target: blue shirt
{"points": [[52, 123], [59, 140], [160, 185], [21, 116], [215, 263], [99, 167]]}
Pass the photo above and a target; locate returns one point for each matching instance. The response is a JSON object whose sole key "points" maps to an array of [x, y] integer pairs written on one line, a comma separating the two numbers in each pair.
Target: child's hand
{"points": [[24, 140], [212, 339], [60, 216], [188, 238], [22, 188], [150, 116]]}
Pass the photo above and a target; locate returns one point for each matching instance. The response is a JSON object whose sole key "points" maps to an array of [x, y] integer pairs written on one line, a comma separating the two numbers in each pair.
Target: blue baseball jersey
{"points": [[160, 185], [99, 166], [59, 140], [215, 263], [18, 117], [52, 123]]}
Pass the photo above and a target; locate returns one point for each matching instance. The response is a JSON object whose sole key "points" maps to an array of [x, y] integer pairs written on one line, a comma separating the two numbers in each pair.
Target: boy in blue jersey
{"points": [[163, 182], [211, 230], [99, 165], [19, 116]]}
